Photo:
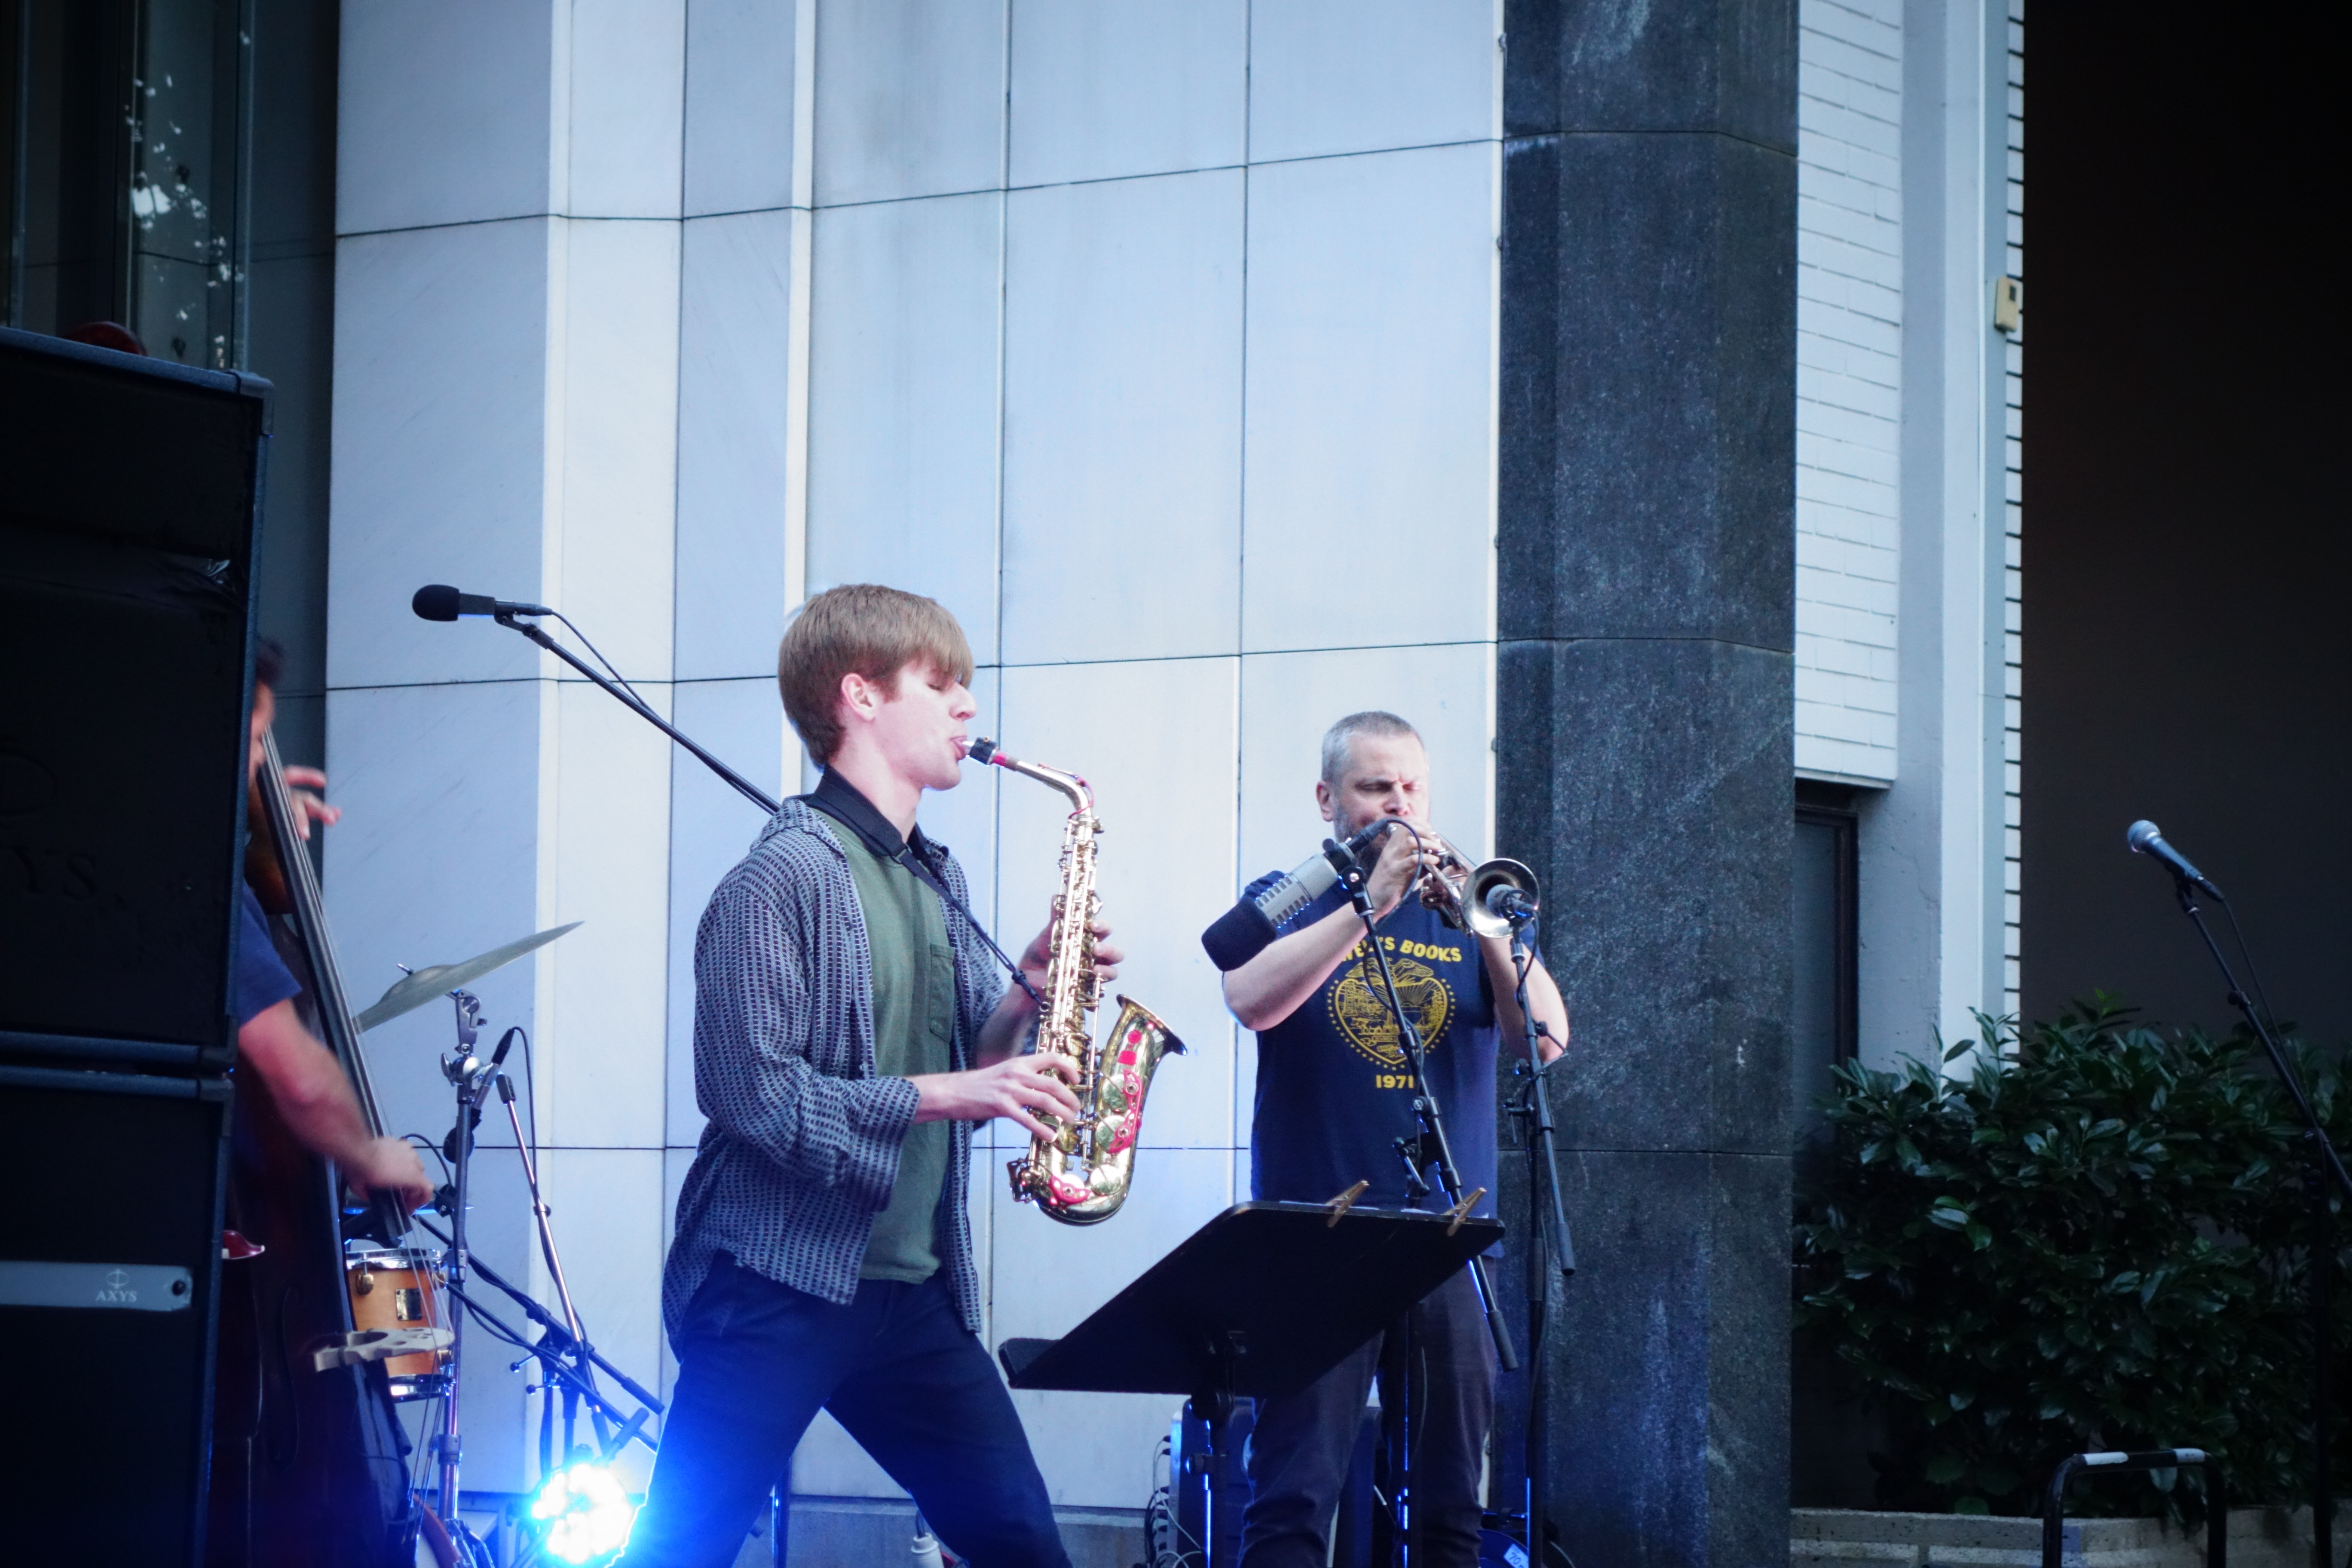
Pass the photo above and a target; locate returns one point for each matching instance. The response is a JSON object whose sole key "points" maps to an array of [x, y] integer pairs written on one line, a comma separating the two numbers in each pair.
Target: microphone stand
{"points": [[2325, 1165], [573, 1337], [512, 621], [1549, 1232], [749, 790], [1430, 1148]]}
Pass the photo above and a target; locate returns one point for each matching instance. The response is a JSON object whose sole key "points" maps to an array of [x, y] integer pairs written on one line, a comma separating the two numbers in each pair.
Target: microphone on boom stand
{"points": [[1249, 928], [2146, 838], [440, 602]]}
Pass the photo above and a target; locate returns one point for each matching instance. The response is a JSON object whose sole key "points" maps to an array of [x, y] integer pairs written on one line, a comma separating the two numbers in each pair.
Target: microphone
{"points": [[2146, 838], [440, 602], [1506, 903], [1249, 928]]}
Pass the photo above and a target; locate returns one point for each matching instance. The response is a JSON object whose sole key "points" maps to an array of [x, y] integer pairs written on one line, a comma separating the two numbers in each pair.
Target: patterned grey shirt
{"points": [[802, 1146]]}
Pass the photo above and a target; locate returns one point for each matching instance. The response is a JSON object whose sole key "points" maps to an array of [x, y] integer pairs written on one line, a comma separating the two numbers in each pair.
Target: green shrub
{"points": [[2098, 1238]]}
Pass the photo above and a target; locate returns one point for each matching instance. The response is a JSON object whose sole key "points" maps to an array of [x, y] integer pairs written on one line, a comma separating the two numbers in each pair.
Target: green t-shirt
{"points": [[914, 1027]]}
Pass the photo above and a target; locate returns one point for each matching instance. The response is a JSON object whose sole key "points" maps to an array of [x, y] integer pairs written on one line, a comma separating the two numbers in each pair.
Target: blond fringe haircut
{"points": [[866, 628]]}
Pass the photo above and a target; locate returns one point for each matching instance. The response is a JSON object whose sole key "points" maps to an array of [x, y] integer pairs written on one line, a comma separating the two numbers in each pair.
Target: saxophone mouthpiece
{"points": [[982, 750]]}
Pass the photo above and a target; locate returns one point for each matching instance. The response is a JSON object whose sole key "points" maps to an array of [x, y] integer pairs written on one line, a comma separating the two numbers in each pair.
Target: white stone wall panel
{"points": [[904, 433], [607, 866], [746, 120], [443, 113], [441, 389], [1356, 76], [1122, 432], [611, 541], [909, 99], [626, 126], [738, 471], [1108, 91], [1370, 422]]}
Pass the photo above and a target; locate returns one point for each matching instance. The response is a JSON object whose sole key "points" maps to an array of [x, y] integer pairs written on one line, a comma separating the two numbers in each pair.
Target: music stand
{"points": [[1262, 1300]]}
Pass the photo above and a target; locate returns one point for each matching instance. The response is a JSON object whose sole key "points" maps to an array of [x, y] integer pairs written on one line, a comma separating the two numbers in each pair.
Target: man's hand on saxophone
{"points": [[1039, 953], [1014, 1087]]}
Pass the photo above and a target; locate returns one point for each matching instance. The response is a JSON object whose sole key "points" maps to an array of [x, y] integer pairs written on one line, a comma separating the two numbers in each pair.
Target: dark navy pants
{"points": [[899, 1372], [1299, 1451]]}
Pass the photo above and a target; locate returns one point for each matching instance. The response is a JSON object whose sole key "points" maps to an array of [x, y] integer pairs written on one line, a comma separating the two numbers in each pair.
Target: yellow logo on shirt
{"points": [[1359, 1009]]}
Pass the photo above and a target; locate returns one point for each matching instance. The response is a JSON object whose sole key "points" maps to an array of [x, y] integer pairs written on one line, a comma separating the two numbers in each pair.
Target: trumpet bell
{"points": [[1485, 914]]}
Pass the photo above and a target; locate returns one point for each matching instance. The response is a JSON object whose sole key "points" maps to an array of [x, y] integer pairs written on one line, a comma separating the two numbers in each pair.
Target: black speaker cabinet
{"points": [[108, 1264], [130, 496], [129, 505]]}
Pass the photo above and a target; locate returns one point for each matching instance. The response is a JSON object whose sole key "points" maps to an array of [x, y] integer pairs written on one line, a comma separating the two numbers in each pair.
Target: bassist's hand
{"points": [[303, 786], [390, 1166]]}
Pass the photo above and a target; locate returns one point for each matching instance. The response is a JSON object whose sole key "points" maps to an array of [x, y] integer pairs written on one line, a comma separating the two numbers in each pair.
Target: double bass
{"points": [[310, 1466]]}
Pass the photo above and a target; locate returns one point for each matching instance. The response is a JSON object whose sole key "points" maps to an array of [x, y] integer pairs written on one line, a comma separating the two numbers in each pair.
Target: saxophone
{"points": [[1080, 1174]]}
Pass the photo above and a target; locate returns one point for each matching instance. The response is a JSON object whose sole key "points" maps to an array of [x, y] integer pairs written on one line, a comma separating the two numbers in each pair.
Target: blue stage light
{"points": [[583, 1513]]}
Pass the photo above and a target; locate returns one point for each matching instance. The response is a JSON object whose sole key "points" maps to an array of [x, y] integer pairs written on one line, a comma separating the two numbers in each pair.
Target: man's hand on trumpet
{"points": [[1401, 864]]}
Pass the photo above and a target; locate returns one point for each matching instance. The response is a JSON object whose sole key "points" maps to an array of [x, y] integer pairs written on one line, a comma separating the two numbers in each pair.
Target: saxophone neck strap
{"points": [[842, 801]]}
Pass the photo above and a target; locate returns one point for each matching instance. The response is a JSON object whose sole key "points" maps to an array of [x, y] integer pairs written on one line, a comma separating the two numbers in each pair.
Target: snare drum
{"points": [[400, 1288]]}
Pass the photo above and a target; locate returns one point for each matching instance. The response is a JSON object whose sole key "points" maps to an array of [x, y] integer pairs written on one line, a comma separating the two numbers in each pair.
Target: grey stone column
{"points": [[1646, 614]]}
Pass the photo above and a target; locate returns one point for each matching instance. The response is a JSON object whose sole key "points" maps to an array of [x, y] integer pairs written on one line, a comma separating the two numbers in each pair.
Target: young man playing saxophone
{"points": [[1335, 1089], [849, 1028]]}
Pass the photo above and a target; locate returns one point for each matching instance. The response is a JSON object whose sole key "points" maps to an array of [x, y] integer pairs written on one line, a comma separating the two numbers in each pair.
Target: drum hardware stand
{"points": [[551, 1350], [1532, 1111], [566, 1359], [1429, 1149], [471, 1078]]}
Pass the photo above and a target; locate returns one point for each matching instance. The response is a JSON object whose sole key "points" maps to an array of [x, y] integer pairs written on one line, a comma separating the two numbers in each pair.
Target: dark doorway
{"points": [[1822, 1021], [2186, 564]]}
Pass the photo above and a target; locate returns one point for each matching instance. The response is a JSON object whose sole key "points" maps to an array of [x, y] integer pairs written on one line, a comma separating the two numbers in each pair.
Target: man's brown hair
{"points": [[866, 628]]}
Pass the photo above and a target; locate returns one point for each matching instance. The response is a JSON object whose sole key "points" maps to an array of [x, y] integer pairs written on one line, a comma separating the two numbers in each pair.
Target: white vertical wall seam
{"points": [[677, 486], [986, 1245], [1241, 570], [802, 197], [1494, 427], [547, 1017]]}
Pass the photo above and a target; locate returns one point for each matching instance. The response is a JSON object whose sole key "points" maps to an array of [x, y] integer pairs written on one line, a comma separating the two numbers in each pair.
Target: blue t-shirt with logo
{"points": [[1335, 1089]]}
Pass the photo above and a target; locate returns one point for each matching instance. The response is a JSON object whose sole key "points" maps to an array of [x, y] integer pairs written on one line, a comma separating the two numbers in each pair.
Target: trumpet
{"points": [[1482, 899]]}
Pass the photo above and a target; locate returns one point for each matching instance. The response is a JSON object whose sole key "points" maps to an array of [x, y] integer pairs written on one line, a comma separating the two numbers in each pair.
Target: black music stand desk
{"points": [[1262, 1300]]}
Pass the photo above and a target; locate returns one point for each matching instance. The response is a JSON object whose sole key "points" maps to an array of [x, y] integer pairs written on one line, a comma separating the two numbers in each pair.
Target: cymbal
{"points": [[414, 990]]}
